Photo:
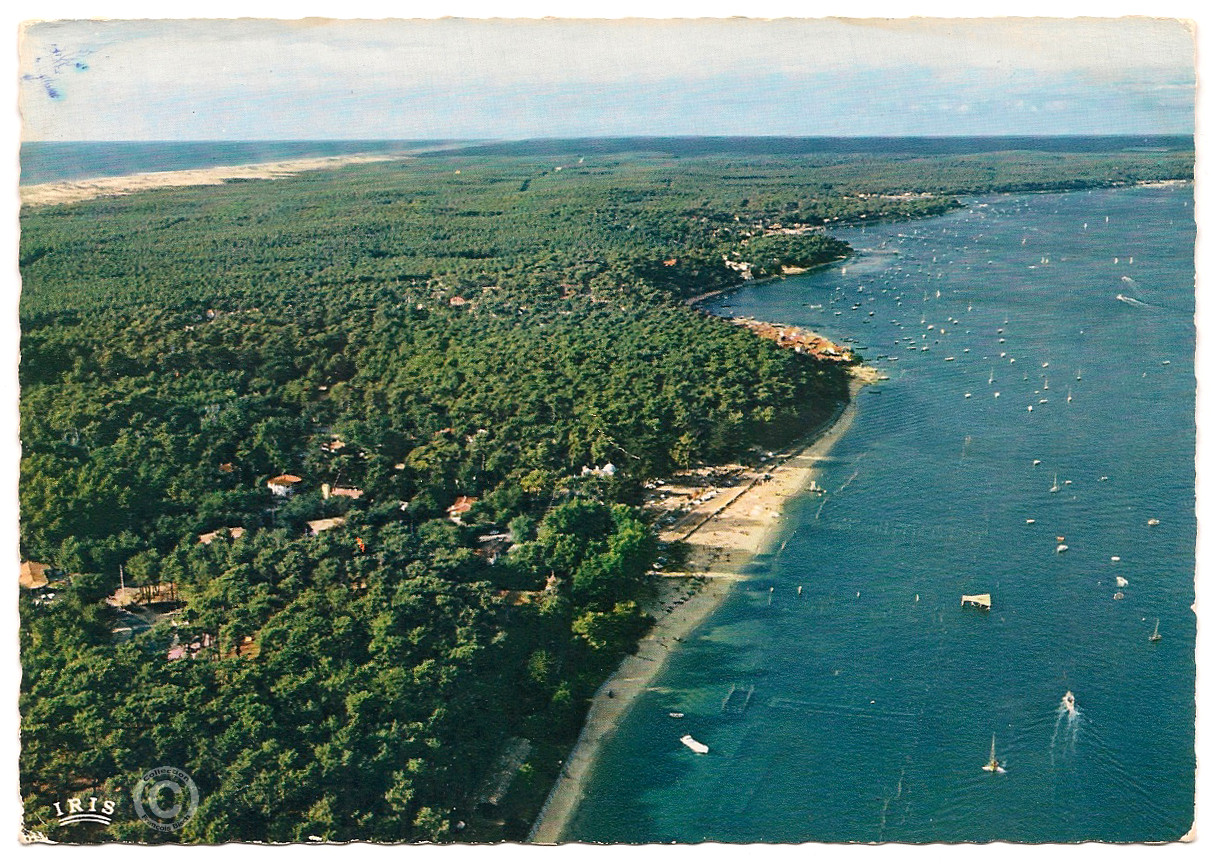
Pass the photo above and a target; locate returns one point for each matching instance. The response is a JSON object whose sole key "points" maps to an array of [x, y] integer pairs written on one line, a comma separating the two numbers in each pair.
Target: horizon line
{"points": [[640, 137]]}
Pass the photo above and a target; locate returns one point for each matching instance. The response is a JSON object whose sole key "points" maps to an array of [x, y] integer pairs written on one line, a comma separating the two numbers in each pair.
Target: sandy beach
{"points": [[722, 534], [71, 191]]}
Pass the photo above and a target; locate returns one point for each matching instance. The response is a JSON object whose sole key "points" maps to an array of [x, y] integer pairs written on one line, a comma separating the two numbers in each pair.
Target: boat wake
{"points": [[1130, 301], [1067, 727]]}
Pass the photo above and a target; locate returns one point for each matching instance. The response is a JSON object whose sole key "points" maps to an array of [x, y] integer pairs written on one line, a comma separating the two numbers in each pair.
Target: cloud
{"points": [[262, 78]]}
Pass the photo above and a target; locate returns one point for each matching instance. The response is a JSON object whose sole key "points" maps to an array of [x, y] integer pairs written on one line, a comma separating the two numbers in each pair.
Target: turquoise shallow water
{"points": [[874, 695]]}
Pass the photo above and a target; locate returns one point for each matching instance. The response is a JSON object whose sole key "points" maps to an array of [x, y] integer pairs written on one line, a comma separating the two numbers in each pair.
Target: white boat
{"points": [[1038, 461], [1120, 582], [1055, 484], [676, 715], [993, 765], [1069, 394], [1154, 521], [696, 746], [1068, 703], [1063, 547], [1156, 633]]}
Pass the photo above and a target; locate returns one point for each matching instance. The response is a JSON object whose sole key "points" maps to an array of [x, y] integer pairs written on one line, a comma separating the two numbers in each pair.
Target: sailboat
{"points": [[993, 765], [1055, 483], [1156, 633]]}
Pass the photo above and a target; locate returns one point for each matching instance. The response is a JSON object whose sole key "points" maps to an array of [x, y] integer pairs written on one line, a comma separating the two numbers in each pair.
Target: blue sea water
{"points": [[50, 161], [875, 696]]}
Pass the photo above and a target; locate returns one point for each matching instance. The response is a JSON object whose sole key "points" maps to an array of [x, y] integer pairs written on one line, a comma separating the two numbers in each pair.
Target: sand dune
{"points": [[71, 191]]}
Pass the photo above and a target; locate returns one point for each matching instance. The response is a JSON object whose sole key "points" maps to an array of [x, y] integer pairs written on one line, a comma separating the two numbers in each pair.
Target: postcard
{"points": [[621, 431]]}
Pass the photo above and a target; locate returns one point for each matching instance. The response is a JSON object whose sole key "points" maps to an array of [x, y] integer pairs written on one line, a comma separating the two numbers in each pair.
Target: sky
{"points": [[463, 78]]}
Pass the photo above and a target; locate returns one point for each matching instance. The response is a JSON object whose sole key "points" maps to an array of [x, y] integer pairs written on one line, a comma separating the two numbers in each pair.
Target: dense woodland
{"points": [[479, 325]]}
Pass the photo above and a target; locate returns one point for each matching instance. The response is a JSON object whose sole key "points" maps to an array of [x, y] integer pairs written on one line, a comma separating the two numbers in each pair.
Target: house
{"points": [[179, 651], [342, 491], [606, 470], [227, 468], [318, 526], [283, 484], [33, 575], [143, 595], [458, 301], [333, 446], [462, 504], [233, 533], [492, 545]]}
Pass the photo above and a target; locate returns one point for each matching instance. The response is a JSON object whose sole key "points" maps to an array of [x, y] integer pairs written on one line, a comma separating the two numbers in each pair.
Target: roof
{"points": [[461, 504], [33, 575], [348, 491], [318, 525], [233, 533], [284, 480]]}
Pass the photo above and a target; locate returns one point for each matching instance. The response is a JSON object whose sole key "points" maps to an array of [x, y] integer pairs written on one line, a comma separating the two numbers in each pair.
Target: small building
{"points": [[347, 492], [462, 504], [318, 526], [181, 651], [227, 468], [210, 537], [283, 484], [34, 575], [334, 446], [606, 470], [144, 595], [492, 545]]}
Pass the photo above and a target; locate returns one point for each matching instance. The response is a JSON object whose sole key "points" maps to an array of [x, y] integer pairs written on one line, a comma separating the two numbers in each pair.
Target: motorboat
{"points": [[993, 765]]}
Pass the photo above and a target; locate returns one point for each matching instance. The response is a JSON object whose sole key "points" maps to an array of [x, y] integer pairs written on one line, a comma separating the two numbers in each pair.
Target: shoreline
{"points": [[73, 191], [744, 283], [723, 545]]}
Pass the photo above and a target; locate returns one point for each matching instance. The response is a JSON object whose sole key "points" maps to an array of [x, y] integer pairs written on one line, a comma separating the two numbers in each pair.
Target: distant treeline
{"points": [[687, 146]]}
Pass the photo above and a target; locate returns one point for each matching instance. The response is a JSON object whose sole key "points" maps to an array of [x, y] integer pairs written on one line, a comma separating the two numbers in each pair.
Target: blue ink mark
{"points": [[47, 69]]}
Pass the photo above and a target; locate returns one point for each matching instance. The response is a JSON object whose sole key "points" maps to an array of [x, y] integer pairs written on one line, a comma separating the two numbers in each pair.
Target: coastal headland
{"points": [[722, 528], [71, 191]]}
